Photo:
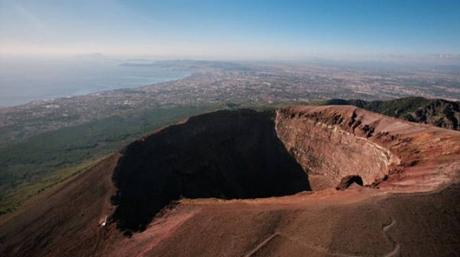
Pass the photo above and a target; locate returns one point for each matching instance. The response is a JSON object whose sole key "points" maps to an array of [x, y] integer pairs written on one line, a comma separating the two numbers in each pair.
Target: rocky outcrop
{"points": [[441, 113], [348, 181]]}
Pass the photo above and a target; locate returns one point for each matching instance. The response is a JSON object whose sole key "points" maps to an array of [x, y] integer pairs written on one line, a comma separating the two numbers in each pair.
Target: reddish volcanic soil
{"points": [[246, 183]]}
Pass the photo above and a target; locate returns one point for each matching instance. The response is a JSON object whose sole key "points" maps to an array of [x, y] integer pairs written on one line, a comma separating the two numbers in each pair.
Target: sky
{"points": [[230, 29]]}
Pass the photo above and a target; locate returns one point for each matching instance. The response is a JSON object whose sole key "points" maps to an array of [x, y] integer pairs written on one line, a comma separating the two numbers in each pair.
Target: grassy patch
{"points": [[11, 201]]}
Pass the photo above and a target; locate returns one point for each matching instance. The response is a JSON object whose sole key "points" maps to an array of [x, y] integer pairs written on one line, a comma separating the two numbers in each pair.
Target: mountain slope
{"points": [[437, 112]]}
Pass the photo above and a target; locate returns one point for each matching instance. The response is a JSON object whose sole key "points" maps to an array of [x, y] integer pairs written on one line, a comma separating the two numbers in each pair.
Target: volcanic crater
{"points": [[226, 154], [297, 178], [249, 154]]}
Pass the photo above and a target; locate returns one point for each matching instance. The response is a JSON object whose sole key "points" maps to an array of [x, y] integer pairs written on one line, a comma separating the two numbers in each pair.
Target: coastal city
{"points": [[213, 83]]}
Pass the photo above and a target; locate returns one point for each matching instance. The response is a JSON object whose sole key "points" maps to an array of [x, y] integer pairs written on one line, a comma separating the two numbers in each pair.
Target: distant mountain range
{"points": [[437, 112], [189, 64]]}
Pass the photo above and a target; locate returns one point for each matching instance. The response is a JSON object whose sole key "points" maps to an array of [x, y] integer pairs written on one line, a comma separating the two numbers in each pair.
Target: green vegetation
{"points": [[15, 198], [41, 161], [399, 108], [396, 107], [437, 112]]}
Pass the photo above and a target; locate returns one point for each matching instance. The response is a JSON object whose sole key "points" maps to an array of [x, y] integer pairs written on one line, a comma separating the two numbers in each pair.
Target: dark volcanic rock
{"points": [[347, 181], [441, 113]]}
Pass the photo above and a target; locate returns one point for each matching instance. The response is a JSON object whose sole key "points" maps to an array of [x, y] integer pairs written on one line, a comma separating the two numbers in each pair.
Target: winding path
{"points": [[385, 228], [318, 248], [297, 241], [262, 244], [396, 247]]}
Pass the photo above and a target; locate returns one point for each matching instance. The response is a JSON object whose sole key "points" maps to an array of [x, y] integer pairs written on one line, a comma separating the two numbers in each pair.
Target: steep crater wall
{"points": [[329, 149]]}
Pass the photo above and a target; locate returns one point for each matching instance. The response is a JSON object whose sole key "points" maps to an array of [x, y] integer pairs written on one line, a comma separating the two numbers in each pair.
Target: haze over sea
{"points": [[25, 80]]}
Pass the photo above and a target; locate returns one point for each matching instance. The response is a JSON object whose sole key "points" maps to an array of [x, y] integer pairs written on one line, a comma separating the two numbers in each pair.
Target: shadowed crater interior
{"points": [[226, 154]]}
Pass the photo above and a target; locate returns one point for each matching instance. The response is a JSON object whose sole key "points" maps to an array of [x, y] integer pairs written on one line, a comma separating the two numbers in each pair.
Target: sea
{"points": [[23, 80]]}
